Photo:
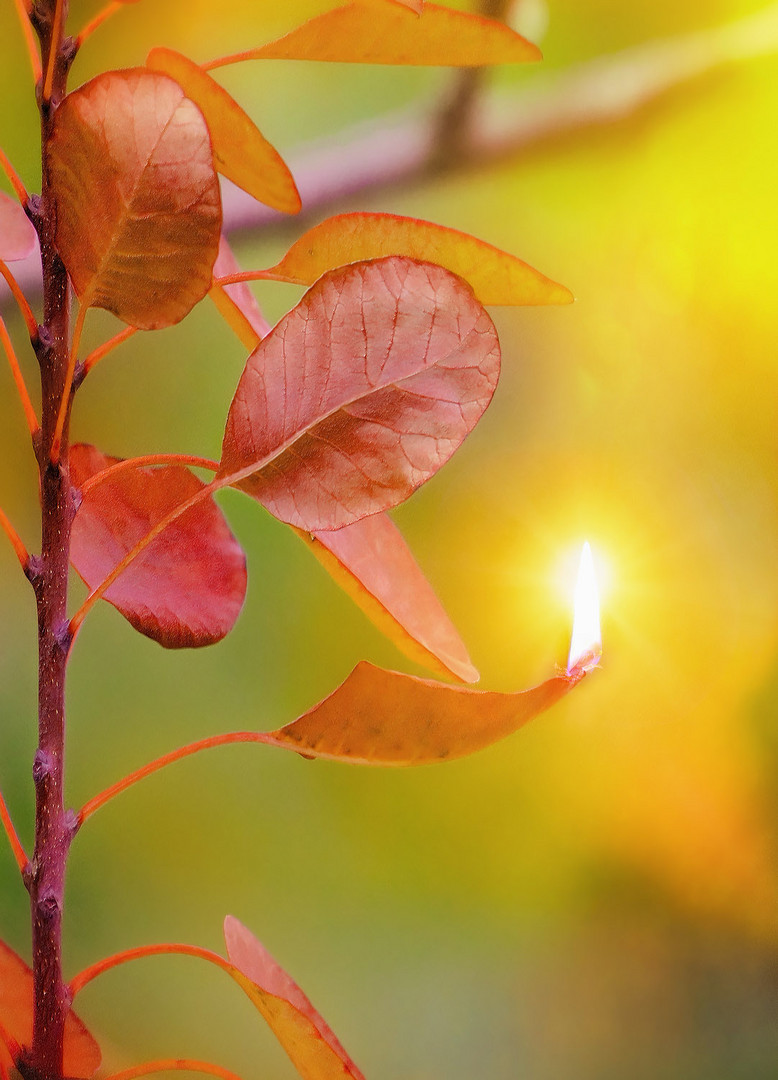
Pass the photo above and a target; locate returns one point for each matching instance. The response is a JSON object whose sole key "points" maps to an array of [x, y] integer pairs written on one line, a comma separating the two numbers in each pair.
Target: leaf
{"points": [[360, 33], [381, 717], [372, 562], [187, 587], [82, 1054], [237, 303], [308, 1040], [360, 393], [138, 203], [240, 150], [414, 5], [17, 235], [495, 276]]}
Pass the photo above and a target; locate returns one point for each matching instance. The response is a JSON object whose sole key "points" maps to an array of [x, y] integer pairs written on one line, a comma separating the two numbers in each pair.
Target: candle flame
{"points": [[585, 642]]}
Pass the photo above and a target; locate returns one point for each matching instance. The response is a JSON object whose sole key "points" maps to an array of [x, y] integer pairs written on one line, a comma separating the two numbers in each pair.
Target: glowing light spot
{"points": [[585, 642]]}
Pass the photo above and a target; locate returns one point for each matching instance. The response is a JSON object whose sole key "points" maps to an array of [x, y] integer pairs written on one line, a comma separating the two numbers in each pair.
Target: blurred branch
{"points": [[407, 148]]}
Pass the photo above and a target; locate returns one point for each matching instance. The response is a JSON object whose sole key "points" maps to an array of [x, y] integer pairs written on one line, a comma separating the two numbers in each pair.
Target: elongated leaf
{"points": [[360, 33], [187, 588], [308, 1040], [381, 717], [139, 209], [360, 393], [495, 276], [240, 150], [372, 562], [236, 303], [17, 236], [82, 1054]]}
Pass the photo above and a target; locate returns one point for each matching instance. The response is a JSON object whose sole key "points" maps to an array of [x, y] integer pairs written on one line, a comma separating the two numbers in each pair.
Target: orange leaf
{"points": [[139, 213], [360, 33], [82, 1054], [414, 5], [187, 587], [237, 303], [17, 235], [360, 393], [240, 150], [308, 1040], [495, 276], [372, 562], [381, 717]]}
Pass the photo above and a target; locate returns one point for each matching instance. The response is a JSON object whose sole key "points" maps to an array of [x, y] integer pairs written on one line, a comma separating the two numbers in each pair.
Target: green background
{"points": [[596, 897]]}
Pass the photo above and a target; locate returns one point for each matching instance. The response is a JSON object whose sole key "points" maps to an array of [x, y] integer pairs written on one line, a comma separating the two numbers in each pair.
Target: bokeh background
{"points": [[597, 896]]}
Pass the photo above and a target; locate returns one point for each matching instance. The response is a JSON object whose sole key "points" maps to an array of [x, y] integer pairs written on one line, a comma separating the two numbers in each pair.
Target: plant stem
{"points": [[49, 576]]}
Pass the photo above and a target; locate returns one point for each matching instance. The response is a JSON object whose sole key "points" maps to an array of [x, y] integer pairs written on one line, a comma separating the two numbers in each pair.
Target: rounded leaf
{"points": [[187, 587], [138, 202], [360, 393]]}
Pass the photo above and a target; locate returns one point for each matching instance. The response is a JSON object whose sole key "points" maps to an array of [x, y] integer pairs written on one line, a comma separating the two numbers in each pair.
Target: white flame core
{"points": [[585, 643]]}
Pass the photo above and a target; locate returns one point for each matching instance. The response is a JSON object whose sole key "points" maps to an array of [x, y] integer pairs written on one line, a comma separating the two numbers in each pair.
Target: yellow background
{"points": [[596, 897]]}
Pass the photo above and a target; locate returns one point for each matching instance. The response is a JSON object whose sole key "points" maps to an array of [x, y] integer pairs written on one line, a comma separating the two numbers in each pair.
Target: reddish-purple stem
{"points": [[48, 573]]}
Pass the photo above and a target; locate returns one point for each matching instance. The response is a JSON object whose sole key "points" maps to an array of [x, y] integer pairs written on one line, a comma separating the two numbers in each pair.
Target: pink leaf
{"points": [[308, 1040], [360, 393], [372, 562], [187, 587], [237, 303], [17, 236]]}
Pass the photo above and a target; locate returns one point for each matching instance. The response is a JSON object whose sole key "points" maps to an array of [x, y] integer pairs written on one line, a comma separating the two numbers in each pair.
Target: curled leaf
{"points": [[81, 1053], [308, 1040], [187, 587], [138, 203], [360, 393], [236, 303], [240, 150], [372, 563], [381, 717], [17, 235], [360, 33], [495, 276]]}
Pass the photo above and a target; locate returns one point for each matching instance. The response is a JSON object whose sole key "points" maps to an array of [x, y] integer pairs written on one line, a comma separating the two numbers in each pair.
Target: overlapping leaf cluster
{"points": [[345, 407]]}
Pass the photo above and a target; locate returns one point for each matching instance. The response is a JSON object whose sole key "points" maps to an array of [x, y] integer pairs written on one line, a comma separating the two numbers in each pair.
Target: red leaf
{"points": [[495, 276], [308, 1040], [360, 393], [187, 587], [237, 303], [240, 150], [139, 213], [360, 33], [381, 717], [372, 562], [82, 1054], [17, 236]]}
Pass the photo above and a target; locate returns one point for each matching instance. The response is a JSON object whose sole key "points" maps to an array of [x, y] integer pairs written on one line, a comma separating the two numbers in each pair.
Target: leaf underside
{"points": [[308, 1040], [186, 589], [360, 393], [379, 717], [372, 563], [138, 202]]}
